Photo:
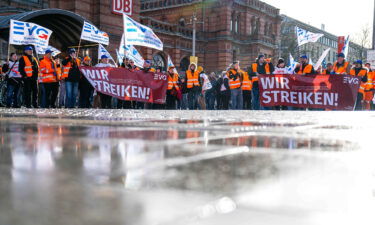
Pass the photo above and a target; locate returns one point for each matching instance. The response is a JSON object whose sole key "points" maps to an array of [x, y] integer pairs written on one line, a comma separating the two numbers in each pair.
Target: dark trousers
{"points": [[171, 101], [49, 94], [225, 97], [246, 100], [358, 104], [123, 104], [13, 87], [30, 93], [85, 95], [106, 101]]}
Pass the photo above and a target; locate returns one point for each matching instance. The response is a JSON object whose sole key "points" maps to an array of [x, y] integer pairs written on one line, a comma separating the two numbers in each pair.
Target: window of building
{"points": [[158, 61]]}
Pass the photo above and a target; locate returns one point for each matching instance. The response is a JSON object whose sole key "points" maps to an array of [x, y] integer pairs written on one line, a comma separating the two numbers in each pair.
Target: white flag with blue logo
{"points": [[170, 63], [131, 53], [292, 65], [304, 36], [92, 33], [24, 33], [42, 50], [138, 34], [102, 51], [345, 49]]}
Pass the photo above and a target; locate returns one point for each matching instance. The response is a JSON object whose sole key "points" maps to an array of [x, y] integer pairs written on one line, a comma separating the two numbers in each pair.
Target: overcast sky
{"points": [[341, 17]]}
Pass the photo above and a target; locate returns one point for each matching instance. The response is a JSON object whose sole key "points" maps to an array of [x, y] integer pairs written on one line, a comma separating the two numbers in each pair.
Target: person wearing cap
{"points": [[259, 67], [173, 90], [341, 66], [86, 90], [304, 68], [361, 72], [29, 69], [329, 69], [369, 91], [14, 81], [72, 75], [48, 80], [235, 76], [105, 100]]}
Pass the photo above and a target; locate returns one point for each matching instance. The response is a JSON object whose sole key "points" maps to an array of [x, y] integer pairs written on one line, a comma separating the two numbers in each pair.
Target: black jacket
{"points": [[22, 64], [74, 73], [261, 70]]}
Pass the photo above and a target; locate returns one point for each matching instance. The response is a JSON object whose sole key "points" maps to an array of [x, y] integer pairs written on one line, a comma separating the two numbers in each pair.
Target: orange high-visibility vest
{"points": [[67, 68], [341, 69], [192, 79], [370, 81], [28, 66], [308, 68], [48, 72], [173, 82], [233, 84], [255, 70], [247, 85], [362, 73]]}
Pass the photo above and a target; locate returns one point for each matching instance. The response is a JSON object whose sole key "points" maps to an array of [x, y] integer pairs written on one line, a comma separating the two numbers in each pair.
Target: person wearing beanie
{"points": [[280, 68], [304, 68], [341, 66], [259, 67], [29, 69], [361, 72]]}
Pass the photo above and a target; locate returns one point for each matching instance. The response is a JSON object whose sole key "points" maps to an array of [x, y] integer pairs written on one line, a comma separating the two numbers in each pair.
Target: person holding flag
{"points": [[304, 68], [72, 76], [48, 80], [29, 69], [341, 66]]}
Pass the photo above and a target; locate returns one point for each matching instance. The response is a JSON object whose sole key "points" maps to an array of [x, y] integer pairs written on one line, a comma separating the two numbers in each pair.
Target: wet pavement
{"points": [[120, 167]]}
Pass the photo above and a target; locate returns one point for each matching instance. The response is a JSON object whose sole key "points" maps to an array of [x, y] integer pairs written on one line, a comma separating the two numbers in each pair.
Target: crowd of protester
{"points": [[52, 82]]}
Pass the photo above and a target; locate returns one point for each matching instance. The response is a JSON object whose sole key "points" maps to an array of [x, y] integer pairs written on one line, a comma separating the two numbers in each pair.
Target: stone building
{"points": [[225, 30]]}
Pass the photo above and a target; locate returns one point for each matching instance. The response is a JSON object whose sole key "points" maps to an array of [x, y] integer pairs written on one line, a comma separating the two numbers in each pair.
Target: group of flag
{"points": [[304, 37], [135, 34]]}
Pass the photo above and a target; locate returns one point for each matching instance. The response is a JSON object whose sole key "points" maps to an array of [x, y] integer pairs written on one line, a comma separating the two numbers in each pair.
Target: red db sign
{"points": [[122, 6]]}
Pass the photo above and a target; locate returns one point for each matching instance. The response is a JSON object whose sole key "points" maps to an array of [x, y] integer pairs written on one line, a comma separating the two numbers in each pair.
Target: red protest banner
{"points": [[335, 92], [126, 85]]}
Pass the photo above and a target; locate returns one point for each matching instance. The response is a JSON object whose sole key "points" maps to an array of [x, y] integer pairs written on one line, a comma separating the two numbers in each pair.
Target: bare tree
{"points": [[363, 39]]}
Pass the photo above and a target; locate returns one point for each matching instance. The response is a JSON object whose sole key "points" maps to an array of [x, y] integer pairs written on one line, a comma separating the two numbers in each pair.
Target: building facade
{"points": [[314, 50], [225, 30]]}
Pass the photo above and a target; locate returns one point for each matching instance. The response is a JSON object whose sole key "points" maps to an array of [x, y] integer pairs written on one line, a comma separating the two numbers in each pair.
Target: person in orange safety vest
{"points": [[361, 72], [341, 66], [48, 80]]}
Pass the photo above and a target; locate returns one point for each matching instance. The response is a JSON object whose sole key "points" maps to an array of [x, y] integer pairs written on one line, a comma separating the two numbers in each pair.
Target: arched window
{"points": [[158, 61], [266, 28], [237, 30], [182, 22], [253, 25]]}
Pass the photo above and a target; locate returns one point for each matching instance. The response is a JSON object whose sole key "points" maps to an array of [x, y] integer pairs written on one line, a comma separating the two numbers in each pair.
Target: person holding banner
{"points": [[304, 68], [48, 80], [29, 69], [105, 100], [72, 75], [358, 70], [259, 67], [341, 66], [86, 91]]}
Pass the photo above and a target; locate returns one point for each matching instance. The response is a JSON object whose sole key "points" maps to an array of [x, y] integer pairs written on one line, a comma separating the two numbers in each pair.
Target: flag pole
{"points": [[8, 55], [123, 36], [79, 46]]}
